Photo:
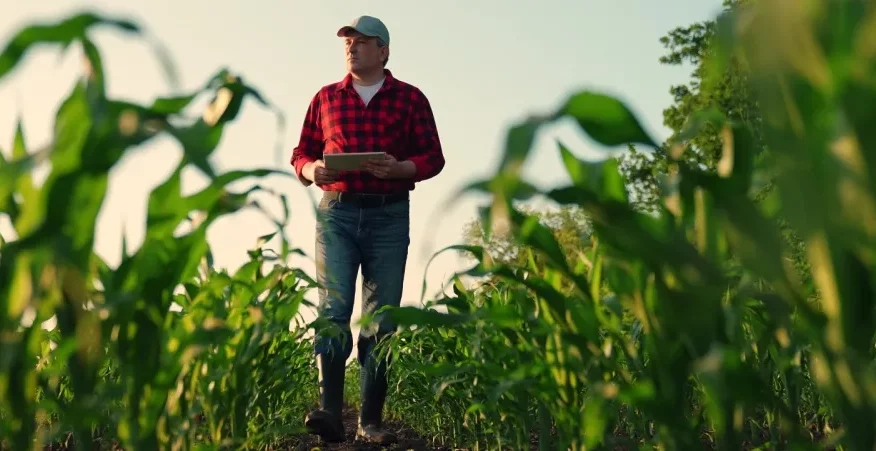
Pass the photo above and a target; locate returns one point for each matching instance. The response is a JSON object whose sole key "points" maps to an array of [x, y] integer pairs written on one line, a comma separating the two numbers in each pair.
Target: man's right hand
{"points": [[317, 173]]}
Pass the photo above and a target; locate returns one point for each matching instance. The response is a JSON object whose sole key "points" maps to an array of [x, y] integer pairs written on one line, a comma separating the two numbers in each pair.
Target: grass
{"points": [[739, 315]]}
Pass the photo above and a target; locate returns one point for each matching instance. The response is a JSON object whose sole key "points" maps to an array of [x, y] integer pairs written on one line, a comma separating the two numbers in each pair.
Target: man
{"points": [[364, 215]]}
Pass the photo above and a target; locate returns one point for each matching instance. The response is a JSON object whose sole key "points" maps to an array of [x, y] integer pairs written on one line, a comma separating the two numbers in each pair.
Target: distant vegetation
{"points": [[711, 291]]}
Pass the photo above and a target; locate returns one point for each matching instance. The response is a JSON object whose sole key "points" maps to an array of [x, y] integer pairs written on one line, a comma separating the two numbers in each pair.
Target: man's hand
{"points": [[390, 168], [317, 173]]}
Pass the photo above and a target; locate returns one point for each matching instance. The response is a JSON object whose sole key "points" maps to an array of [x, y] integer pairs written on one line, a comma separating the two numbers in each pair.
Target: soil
{"points": [[408, 439]]}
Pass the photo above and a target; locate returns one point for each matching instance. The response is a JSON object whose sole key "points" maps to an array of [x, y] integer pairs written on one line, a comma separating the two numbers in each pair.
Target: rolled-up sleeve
{"points": [[311, 143], [427, 154]]}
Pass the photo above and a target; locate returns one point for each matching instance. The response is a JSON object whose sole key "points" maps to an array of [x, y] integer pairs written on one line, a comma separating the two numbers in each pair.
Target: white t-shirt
{"points": [[367, 92]]}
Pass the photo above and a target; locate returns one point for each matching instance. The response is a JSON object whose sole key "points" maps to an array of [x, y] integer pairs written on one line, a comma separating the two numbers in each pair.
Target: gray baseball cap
{"points": [[367, 25]]}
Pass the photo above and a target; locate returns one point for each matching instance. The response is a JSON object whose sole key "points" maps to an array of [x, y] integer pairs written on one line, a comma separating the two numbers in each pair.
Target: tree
{"points": [[728, 94]]}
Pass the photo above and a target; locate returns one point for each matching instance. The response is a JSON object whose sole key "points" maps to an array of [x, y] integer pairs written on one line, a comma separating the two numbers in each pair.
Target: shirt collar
{"points": [[388, 83]]}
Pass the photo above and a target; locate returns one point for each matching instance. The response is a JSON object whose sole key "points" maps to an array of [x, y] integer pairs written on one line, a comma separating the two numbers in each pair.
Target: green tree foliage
{"points": [[726, 93]]}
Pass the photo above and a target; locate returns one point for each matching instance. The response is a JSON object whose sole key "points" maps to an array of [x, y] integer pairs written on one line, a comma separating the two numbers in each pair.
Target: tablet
{"points": [[350, 161]]}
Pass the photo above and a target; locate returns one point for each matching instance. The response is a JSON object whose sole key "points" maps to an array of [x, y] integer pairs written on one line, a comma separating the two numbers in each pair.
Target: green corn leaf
{"points": [[61, 33], [477, 252], [619, 226], [754, 238], [605, 119], [518, 144], [15, 178], [536, 235], [95, 73], [414, 316], [565, 310], [199, 140], [595, 422], [858, 317], [457, 305], [602, 177], [173, 105]]}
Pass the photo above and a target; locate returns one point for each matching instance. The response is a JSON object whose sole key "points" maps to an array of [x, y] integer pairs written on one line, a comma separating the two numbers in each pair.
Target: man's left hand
{"points": [[383, 169]]}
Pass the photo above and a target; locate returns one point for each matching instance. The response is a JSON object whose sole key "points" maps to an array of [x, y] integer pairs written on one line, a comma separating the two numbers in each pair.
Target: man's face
{"points": [[362, 52]]}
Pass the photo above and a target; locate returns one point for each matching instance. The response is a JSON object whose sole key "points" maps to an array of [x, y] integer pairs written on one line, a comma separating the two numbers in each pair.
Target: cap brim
{"points": [[345, 30]]}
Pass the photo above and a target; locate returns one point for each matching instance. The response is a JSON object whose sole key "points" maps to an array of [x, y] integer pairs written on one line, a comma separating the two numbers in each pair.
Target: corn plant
{"points": [[487, 377], [123, 364], [691, 327]]}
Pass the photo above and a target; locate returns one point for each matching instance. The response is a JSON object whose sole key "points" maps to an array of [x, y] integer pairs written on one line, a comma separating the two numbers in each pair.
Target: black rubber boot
{"points": [[373, 384], [327, 421]]}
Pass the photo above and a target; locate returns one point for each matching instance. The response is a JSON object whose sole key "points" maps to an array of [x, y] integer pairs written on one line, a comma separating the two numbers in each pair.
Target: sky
{"points": [[483, 65]]}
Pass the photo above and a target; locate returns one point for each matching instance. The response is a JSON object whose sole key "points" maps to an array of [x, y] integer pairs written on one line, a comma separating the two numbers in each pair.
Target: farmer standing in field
{"points": [[364, 215]]}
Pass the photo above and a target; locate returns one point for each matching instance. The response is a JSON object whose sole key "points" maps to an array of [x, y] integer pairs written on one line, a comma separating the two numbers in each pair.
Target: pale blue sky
{"points": [[483, 64]]}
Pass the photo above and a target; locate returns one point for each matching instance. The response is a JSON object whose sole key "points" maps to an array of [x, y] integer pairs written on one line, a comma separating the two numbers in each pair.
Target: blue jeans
{"points": [[375, 239]]}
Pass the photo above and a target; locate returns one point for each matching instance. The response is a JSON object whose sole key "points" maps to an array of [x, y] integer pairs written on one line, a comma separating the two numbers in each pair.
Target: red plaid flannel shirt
{"points": [[398, 121]]}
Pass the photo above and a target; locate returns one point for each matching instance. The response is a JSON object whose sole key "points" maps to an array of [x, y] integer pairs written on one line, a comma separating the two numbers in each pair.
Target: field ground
{"points": [[408, 439]]}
